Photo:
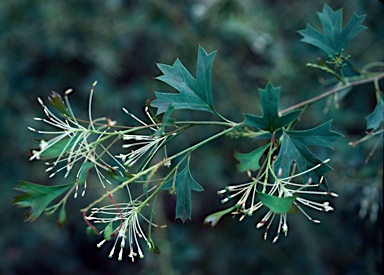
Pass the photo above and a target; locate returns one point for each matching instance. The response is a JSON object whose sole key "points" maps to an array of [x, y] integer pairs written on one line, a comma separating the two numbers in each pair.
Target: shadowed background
{"points": [[55, 45]]}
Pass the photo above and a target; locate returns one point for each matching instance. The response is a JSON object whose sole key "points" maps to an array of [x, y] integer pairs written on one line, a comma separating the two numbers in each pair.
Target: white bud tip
{"points": [[67, 92], [94, 83], [280, 172], [101, 243], [260, 224], [275, 239], [316, 221], [285, 228], [333, 194]]}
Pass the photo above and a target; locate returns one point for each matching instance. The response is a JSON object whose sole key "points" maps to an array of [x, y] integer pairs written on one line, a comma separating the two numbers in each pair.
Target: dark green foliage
{"points": [[275, 204], [38, 197], [183, 184], [250, 161], [375, 119], [294, 150], [214, 218], [270, 121], [46, 45], [195, 93], [334, 38]]}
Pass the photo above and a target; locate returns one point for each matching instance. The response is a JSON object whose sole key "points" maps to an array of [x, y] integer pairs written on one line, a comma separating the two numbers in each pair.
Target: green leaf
{"points": [[271, 121], [194, 94], [294, 150], [250, 161], [276, 204], [59, 147], [62, 218], [58, 103], [375, 118], [183, 184], [167, 121], [214, 218], [114, 175], [91, 232], [85, 167], [334, 38], [318, 136], [37, 197], [108, 231]]}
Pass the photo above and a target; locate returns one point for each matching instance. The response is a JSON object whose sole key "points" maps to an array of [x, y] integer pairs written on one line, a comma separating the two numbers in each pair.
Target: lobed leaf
{"points": [[294, 150], [334, 38], [250, 161], [183, 184], [194, 93], [318, 136], [270, 121], [37, 197], [375, 118]]}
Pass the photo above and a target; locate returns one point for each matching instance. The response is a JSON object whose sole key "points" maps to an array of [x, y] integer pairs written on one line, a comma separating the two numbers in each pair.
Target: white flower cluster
{"points": [[144, 144], [126, 219], [280, 188]]}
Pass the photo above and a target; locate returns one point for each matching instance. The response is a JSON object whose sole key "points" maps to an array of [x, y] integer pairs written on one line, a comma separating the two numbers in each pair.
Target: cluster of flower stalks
{"points": [[253, 193], [85, 146]]}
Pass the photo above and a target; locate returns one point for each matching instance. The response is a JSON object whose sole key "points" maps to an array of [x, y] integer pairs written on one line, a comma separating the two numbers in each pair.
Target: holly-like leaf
{"points": [[277, 205], [271, 121], [250, 161], [334, 38], [194, 93], [183, 184], [214, 218], [294, 150], [318, 136], [375, 118], [37, 197]]}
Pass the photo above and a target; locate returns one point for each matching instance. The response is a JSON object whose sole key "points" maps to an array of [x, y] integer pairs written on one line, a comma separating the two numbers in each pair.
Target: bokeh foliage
{"points": [[53, 45]]}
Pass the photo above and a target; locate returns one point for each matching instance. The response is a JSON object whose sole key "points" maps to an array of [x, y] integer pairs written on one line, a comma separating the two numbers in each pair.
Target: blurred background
{"points": [[55, 45]]}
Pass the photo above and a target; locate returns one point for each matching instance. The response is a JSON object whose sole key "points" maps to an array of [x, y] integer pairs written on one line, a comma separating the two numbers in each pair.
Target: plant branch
{"points": [[331, 92], [156, 166]]}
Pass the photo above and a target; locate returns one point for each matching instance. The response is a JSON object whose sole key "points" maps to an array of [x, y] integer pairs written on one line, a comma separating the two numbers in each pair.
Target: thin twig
{"points": [[330, 92]]}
